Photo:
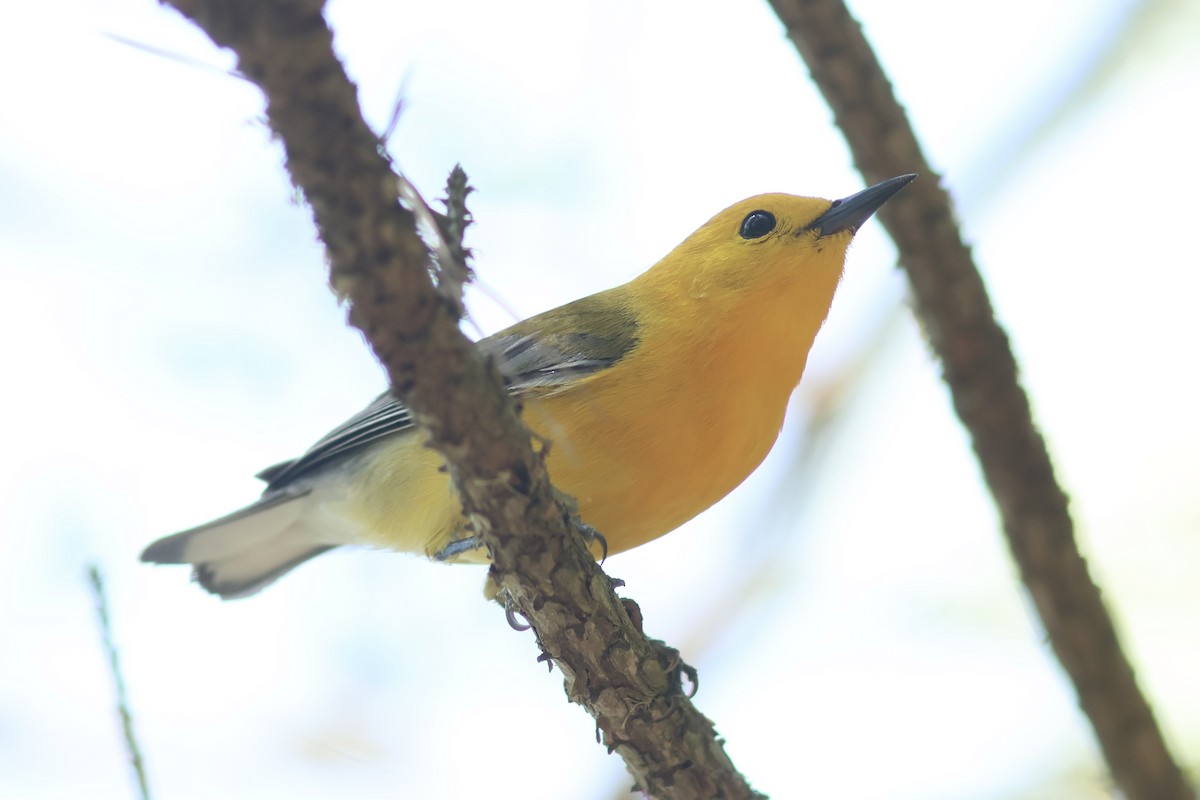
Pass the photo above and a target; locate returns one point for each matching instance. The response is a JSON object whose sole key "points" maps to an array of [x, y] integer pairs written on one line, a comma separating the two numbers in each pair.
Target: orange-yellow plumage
{"points": [[657, 397]]}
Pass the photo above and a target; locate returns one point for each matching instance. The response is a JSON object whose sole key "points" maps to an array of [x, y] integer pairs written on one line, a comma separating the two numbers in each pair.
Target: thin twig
{"points": [[114, 666], [980, 369], [378, 261]]}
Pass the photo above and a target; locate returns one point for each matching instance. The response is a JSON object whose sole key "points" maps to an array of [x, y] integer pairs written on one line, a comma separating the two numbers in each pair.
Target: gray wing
{"points": [[385, 416], [530, 364]]}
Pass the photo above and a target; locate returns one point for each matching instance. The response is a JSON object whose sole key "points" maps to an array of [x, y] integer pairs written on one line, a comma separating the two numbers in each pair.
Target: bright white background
{"points": [[165, 332]]}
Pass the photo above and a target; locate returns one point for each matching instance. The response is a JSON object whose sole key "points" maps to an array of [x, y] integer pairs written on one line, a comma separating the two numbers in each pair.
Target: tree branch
{"points": [[980, 369], [379, 262]]}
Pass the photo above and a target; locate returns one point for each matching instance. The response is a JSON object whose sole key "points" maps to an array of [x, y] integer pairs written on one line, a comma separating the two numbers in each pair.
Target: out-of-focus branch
{"points": [[980, 369], [378, 261], [132, 748]]}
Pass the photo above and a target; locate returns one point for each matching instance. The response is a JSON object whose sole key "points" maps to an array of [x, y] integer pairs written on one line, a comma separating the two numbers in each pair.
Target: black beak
{"points": [[849, 213]]}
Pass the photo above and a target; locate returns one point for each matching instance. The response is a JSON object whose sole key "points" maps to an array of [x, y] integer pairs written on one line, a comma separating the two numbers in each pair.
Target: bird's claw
{"points": [[591, 535], [677, 669], [511, 613]]}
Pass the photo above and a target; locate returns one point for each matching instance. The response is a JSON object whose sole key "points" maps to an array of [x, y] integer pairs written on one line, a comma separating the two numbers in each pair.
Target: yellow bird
{"points": [[659, 397]]}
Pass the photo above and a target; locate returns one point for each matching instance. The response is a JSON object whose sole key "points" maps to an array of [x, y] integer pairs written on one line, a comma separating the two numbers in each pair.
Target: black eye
{"points": [[757, 224]]}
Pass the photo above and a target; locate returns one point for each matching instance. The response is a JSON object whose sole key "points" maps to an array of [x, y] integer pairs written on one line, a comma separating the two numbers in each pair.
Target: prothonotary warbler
{"points": [[658, 398]]}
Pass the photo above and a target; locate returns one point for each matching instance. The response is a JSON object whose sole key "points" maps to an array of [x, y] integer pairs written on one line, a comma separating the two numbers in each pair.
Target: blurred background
{"points": [[859, 629]]}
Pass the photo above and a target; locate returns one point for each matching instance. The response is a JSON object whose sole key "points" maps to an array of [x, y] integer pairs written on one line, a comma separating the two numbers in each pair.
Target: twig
{"points": [[454, 223], [114, 665], [379, 262], [980, 369]]}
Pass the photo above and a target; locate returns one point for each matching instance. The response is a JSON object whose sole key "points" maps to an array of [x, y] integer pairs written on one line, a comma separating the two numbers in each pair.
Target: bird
{"points": [[658, 397]]}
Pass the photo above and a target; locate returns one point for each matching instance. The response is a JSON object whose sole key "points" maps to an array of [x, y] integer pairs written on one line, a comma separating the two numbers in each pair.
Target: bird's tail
{"points": [[239, 554]]}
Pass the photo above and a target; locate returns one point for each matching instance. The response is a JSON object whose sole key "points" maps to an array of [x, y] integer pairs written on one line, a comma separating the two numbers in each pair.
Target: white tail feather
{"points": [[239, 554]]}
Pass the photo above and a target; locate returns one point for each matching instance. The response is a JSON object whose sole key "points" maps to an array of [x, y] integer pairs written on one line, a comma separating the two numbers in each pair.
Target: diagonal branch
{"points": [[980, 369], [379, 262]]}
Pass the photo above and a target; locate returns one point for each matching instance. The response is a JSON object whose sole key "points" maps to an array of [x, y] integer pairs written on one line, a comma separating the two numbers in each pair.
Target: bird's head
{"points": [[772, 243]]}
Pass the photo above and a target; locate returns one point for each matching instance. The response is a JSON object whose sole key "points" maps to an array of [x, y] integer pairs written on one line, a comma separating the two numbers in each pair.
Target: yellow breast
{"points": [[668, 430]]}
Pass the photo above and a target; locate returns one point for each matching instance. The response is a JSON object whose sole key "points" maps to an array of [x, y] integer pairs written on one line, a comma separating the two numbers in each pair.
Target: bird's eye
{"points": [[757, 224]]}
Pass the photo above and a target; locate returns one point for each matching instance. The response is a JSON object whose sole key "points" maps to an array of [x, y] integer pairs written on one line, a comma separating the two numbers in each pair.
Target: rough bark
{"points": [[380, 264]]}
